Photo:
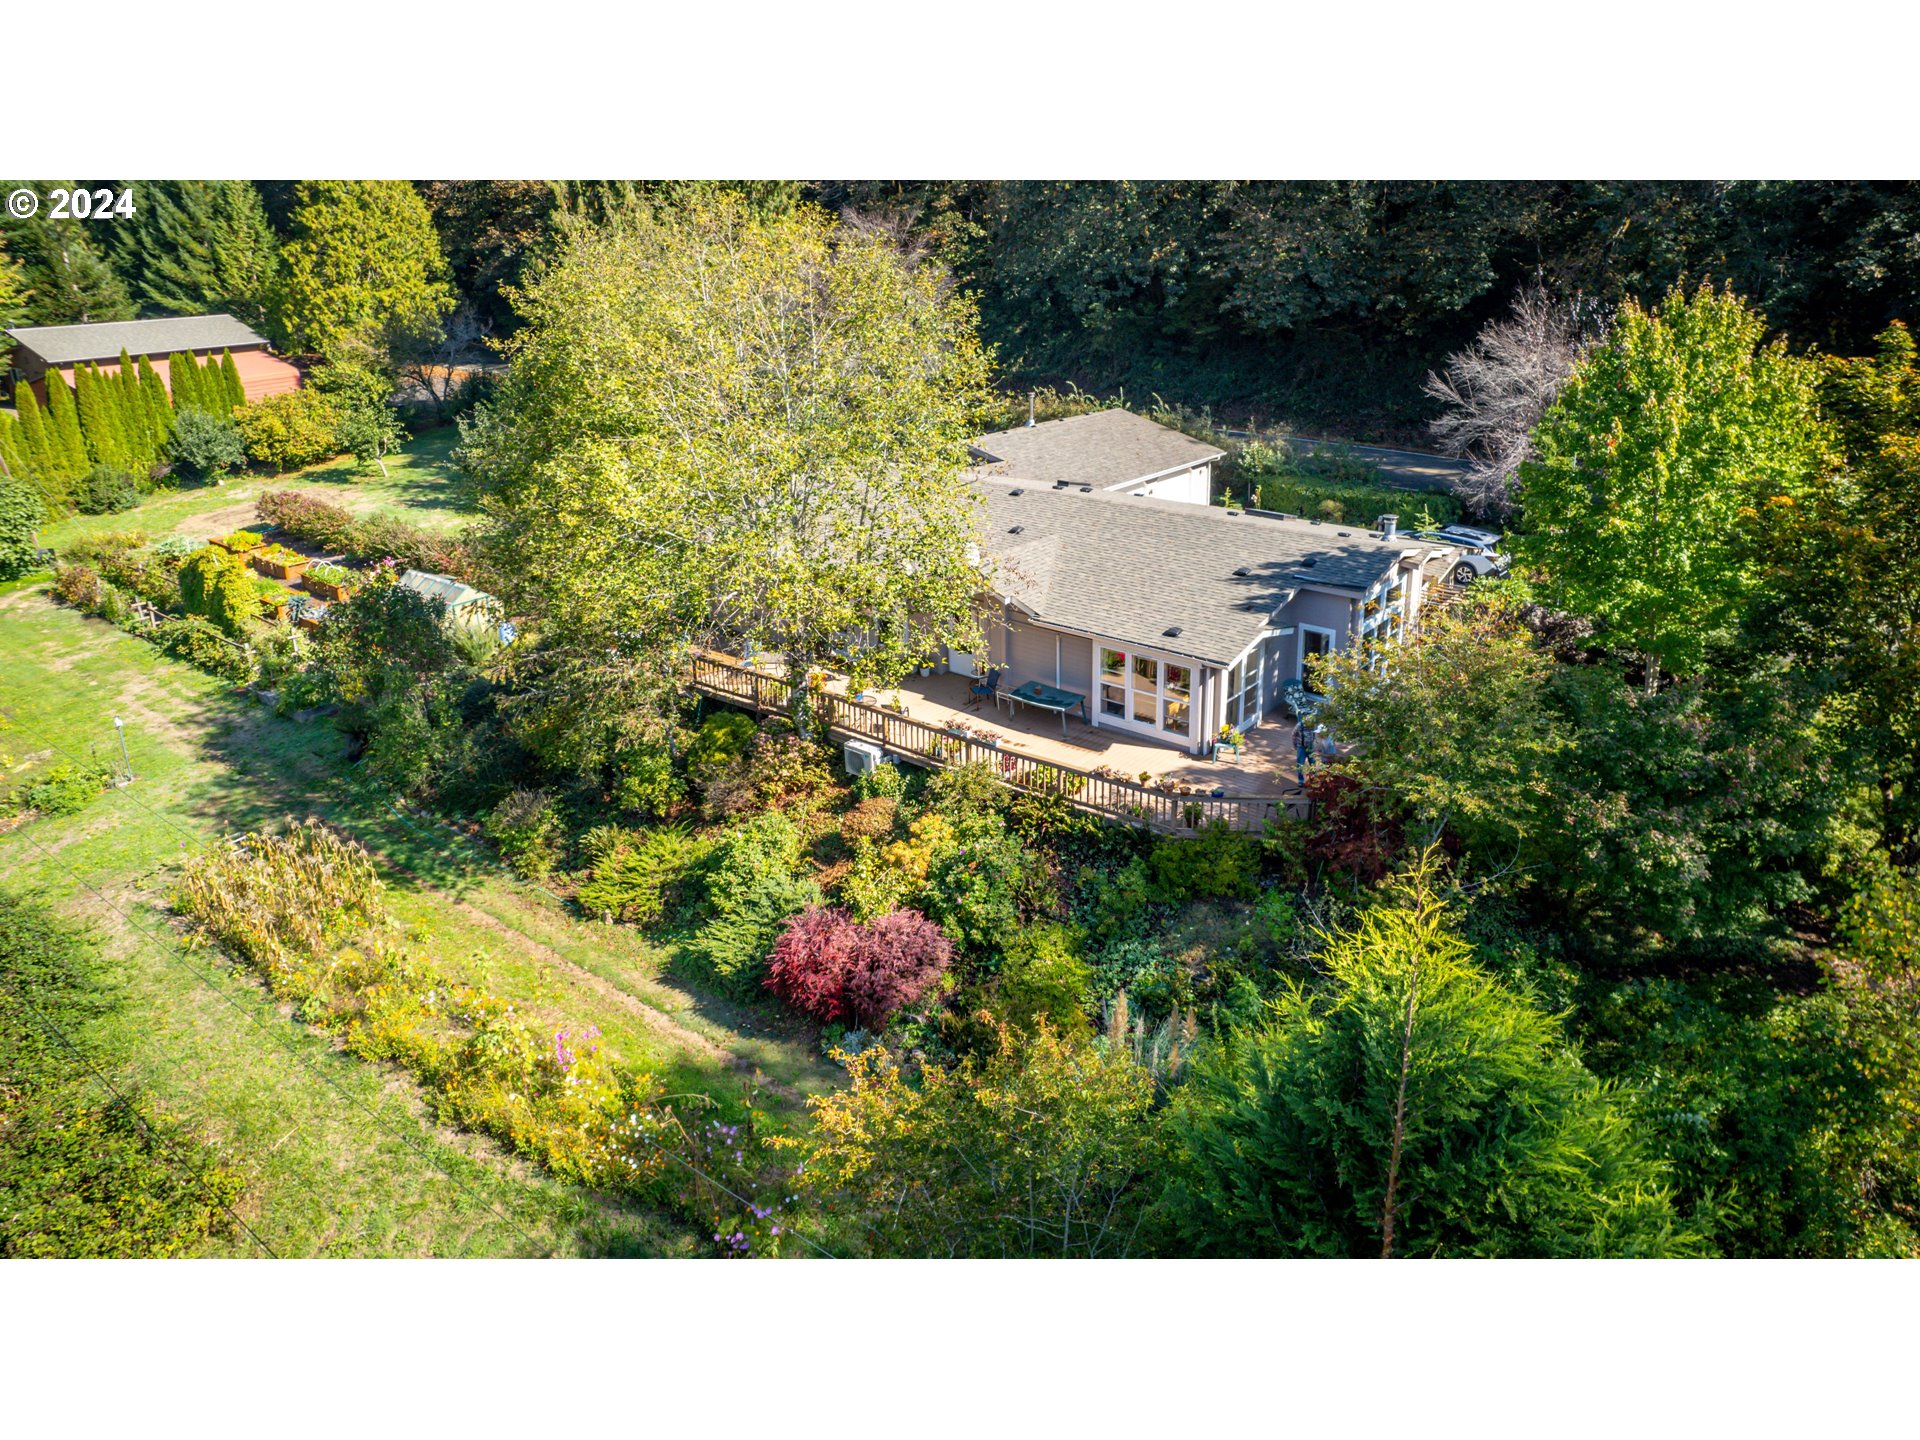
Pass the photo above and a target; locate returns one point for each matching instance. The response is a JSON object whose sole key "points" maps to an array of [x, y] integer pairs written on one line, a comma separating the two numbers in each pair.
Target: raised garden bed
{"points": [[281, 563], [273, 598], [329, 582], [240, 542]]}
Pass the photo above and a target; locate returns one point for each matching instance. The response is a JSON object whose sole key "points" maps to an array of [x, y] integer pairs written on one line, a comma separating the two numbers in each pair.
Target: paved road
{"points": [[1406, 469]]}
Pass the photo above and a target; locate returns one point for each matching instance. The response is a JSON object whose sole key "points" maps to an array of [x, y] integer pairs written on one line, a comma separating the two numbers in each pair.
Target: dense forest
{"points": [[1319, 304]]}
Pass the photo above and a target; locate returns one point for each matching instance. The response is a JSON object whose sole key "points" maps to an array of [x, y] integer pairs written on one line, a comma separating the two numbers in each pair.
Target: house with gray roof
{"points": [[1108, 450], [1172, 618]]}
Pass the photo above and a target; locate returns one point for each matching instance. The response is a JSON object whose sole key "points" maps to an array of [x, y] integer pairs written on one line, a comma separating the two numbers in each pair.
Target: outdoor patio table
{"points": [[1046, 697]]}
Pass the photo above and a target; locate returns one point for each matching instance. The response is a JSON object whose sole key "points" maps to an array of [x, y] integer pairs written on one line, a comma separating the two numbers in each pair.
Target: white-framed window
{"points": [[1146, 692], [1242, 699], [1315, 641], [1176, 699]]}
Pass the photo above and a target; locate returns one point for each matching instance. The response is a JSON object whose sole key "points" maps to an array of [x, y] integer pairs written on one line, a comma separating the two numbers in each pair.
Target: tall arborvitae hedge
{"points": [[183, 374], [13, 452], [101, 423], [230, 376], [69, 446], [132, 401], [43, 464], [159, 408]]}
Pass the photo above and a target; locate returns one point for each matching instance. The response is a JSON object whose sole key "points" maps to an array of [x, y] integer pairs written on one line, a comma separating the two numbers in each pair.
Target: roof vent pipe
{"points": [[1029, 409], [1389, 524]]}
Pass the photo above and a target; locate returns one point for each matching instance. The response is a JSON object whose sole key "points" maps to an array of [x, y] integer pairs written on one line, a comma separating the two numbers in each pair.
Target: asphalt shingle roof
{"points": [[1108, 447], [1128, 568], [77, 344]]}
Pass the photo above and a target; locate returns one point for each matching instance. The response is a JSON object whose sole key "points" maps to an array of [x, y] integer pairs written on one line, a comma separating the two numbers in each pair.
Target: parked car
{"points": [[1480, 552]]}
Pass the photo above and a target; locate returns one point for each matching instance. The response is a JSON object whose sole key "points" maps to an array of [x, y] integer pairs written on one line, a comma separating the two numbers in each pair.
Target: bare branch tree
{"points": [[434, 364], [1496, 390]]}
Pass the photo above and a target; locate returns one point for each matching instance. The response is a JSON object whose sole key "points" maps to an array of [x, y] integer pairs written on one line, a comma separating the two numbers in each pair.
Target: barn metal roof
{"points": [[77, 344]]}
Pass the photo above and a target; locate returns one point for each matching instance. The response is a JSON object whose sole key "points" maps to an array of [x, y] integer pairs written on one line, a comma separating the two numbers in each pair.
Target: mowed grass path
{"points": [[422, 487], [341, 1156]]}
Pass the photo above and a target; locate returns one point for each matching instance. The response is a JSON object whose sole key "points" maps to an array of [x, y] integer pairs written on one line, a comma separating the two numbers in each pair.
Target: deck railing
{"points": [[1121, 800]]}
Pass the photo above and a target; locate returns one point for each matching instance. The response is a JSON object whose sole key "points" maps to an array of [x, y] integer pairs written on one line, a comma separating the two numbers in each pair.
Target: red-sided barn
{"points": [[42, 349]]}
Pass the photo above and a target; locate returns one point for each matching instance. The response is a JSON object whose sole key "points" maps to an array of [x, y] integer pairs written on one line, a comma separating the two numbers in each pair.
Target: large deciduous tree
{"points": [[13, 287], [726, 426], [1653, 467], [1458, 727], [1410, 1106], [1045, 1147], [1684, 817], [1842, 578], [363, 269], [1495, 391]]}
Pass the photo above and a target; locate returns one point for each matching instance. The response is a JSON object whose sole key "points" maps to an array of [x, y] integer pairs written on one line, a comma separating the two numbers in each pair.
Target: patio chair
{"points": [[983, 690]]}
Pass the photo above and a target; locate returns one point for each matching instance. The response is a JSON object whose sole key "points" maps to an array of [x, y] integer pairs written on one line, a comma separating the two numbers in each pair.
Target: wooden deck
{"points": [[1099, 770]]}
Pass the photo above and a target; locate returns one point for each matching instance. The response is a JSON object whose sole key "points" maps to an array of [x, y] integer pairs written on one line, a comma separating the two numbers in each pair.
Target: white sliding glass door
{"points": [[1146, 692], [1242, 700]]}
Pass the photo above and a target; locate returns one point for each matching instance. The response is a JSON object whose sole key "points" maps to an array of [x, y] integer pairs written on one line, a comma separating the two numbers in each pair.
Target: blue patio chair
{"points": [[983, 690]]}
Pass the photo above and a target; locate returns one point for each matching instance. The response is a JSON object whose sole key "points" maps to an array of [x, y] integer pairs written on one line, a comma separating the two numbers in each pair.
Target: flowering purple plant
{"points": [[566, 1055]]}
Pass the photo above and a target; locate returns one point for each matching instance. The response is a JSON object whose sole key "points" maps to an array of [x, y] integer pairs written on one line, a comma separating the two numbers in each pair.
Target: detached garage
{"points": [[40, 350]]}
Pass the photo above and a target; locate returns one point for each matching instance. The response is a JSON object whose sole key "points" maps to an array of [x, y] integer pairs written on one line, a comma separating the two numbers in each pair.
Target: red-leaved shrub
{"points": [[899, 956], [810, 961], [1355, 829], [830, 966]]}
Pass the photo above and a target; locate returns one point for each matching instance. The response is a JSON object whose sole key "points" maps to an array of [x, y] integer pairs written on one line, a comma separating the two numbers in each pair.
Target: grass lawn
{"points": [[422, 487], [341, 1155]]}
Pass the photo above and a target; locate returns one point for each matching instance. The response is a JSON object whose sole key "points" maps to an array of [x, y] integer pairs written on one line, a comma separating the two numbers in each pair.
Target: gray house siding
{"points": [[1031, 652], [1324, 612]]}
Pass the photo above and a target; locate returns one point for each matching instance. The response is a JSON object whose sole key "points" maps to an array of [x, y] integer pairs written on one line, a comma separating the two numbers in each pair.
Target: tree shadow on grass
{"points": [[271, 770], [421, 477]]}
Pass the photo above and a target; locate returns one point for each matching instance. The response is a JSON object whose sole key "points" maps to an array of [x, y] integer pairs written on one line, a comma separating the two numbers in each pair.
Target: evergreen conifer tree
{"points": [[236, 391], [67, 282], [199, 246], [68, 446], [1413, 1105], [42, 465], [183, 373], [159, 410]]}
